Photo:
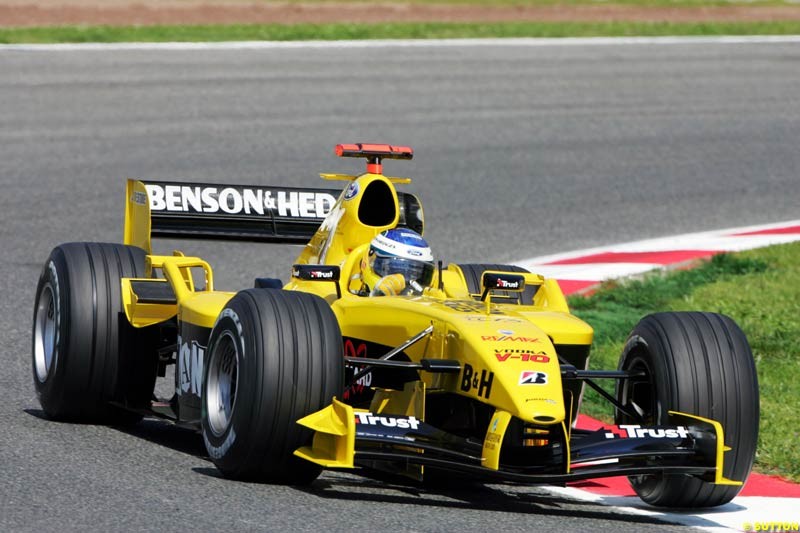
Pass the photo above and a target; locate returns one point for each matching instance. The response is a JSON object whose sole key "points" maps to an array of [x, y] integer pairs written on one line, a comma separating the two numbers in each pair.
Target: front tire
{"points": [[85, 354], [273, 357], [701, 364]]}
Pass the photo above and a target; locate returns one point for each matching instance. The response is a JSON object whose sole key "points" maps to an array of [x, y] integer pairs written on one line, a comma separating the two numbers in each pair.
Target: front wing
{"points": [[345, 437]]}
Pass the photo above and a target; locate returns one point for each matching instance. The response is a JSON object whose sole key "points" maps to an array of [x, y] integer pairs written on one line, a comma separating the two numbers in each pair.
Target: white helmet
{"points": [[401, 251]]}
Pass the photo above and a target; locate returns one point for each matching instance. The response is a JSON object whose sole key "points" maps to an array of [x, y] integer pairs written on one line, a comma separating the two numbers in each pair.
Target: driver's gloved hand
{"points": [[390, 285]]}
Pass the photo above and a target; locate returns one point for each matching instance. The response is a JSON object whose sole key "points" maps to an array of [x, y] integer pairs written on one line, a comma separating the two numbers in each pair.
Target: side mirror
{"points": [[501, 281], [330, 273]]}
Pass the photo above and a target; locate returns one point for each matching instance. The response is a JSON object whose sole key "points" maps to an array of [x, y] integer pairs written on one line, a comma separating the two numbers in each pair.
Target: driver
{"points": [[399, 261]]}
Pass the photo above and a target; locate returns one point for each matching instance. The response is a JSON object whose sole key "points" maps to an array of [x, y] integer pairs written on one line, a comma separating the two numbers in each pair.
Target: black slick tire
{"points": [[85, 354], [273, 357], [700, 364]]}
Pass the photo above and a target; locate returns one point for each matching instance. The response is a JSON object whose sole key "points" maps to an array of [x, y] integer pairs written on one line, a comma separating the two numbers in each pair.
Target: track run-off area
{"points": [[522, 149]]}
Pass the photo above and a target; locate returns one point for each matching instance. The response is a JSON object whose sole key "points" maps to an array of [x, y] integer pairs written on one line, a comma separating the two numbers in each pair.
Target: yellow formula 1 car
{"points": [[479, 374]]}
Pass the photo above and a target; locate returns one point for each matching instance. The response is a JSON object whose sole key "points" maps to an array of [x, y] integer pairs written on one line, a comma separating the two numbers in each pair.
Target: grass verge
{"points": [[760, 289], [300, 32]]}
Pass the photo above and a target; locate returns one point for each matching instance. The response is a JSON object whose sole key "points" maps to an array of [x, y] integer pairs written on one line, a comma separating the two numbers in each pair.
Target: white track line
{"points": [[733, 516], [723, 240], [590, 271], [402, 43]]}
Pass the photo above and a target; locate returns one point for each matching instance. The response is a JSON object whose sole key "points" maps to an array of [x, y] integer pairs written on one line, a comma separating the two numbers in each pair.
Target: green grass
{"points": [[638, 3], [760, 289], [295, 32]]}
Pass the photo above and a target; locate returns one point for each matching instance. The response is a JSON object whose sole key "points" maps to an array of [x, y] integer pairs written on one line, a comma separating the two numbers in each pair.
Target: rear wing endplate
{"points": [[254, 213]]}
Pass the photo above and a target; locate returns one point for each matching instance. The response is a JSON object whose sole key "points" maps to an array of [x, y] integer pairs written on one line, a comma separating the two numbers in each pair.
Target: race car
{"points": [[480, 373]]}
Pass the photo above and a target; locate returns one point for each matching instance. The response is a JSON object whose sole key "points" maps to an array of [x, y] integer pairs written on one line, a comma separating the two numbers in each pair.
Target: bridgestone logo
{"points": [[238, 201]]}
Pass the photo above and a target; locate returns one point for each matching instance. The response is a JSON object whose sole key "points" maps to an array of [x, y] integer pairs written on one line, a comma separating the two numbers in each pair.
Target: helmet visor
{"points": [[411, 269]]}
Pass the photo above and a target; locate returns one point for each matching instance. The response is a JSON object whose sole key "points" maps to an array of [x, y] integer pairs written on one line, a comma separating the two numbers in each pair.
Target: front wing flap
{"points": [[344, 436]]}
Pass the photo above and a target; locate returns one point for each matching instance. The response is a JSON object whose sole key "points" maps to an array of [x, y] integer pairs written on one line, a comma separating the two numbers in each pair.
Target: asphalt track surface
{"points": [[520, 151]]}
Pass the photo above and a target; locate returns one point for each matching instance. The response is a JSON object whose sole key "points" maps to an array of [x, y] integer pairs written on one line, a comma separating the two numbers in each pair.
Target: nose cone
{"points": [[515, 369]]}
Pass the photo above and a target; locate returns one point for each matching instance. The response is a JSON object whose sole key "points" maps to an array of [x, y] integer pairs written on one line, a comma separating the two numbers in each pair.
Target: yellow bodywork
{"points": [[198, 307], [137, 216], [494, 439], [506, 350], [334, 436], [463, 329], [343, 231], [488, 338], [141, 315]]}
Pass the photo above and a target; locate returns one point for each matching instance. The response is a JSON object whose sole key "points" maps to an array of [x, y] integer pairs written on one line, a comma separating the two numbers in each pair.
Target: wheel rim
{"points": [[641, 395], [223, 377], [45, 327]]}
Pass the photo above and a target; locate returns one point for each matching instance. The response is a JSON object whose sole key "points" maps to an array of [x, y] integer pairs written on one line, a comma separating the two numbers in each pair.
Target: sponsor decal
{"points": [[505, 332], [400, 422], [190, 366], [316, 272], [230, 313], [509, 282], [351, 191], [351, 350], [217, 452], [508, 338], [237, 200], [381, 242], [521, 355], [529, 377], [469, 307], [506, 284], [495, 319], [635, 431], [139, 198], [546, 400], [492, 440], [470, 379]]}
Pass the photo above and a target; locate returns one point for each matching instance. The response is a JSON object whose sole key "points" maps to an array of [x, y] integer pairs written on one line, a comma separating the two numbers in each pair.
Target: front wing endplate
{"points": [[334, 436]]}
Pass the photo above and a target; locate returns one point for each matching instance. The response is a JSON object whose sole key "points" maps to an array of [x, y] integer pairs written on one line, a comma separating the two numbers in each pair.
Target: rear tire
{"points": [[85, 353], [474, 272], [273, 357], [700, 364]]}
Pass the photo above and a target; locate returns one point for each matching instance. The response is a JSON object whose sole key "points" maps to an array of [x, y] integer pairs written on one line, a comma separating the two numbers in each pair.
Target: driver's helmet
{"points": [[400, 251]]}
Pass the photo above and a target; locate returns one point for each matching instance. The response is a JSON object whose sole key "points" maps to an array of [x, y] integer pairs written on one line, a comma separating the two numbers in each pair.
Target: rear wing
{"points": [[253, 213]]}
